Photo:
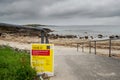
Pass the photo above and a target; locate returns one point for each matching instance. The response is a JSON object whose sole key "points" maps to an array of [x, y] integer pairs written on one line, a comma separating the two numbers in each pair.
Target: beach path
{"points": [[73, 65]]}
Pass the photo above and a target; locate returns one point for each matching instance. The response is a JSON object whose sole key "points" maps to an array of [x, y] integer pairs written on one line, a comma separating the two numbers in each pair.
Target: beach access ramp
{"points": [[73, 65]]}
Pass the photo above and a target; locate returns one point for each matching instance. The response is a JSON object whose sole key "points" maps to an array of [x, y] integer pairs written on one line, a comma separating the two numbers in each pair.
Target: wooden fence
{"points": [[95, 41]]}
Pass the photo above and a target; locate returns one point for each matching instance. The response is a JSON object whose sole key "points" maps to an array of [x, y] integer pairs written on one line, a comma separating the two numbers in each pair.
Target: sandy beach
{"points": [[22, 42]]}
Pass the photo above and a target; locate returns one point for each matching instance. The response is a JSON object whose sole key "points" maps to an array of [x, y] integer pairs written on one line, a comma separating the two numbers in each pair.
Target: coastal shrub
{"points": [[15, 65]]}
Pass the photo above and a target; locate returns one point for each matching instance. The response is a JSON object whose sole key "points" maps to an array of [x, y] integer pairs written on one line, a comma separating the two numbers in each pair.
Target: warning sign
{"points": [[42, 58]]}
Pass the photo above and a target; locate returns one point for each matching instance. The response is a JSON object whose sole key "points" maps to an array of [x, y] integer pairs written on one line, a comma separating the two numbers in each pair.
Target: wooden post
{"points": [[77, 47], [83, 47], [110, 48], [95, 46], [89, 46]]}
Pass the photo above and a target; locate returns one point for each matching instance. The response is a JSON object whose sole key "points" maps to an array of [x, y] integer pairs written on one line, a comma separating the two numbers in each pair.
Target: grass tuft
{"points": [[15, 65]]}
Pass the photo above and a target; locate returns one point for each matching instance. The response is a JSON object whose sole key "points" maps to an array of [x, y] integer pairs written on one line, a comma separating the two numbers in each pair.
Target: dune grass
{"points": [[15, 65]]}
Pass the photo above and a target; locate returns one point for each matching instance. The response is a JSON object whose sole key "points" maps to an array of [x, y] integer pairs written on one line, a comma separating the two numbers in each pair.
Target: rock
{"points": [[100, 35], [21, 30], [86, 37], [112, 37], [0, 34], [118, 37], [91, 37]]}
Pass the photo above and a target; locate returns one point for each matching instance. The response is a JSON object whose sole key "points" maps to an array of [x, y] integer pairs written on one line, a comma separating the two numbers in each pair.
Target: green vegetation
{"points": [[15, 65]]}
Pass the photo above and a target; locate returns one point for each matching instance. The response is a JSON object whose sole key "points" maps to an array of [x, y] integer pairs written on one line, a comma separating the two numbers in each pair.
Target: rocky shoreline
{"points": [[32, 31]]}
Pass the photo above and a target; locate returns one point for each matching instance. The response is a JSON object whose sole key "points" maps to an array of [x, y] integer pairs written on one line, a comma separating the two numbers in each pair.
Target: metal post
{"points": [[42, 36], [47, 41], [95, 46], [110, 48], [89, 46]]}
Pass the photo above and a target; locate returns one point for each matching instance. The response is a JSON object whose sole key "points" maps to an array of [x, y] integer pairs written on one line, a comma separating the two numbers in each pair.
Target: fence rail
{"points": [[95, 45]]}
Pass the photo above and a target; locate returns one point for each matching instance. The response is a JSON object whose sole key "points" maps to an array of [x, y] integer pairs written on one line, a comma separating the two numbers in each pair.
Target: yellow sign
{"points": [[42, 58]]}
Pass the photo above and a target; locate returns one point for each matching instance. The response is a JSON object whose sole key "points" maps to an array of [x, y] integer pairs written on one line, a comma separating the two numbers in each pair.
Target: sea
{"points": [[89, 30]]}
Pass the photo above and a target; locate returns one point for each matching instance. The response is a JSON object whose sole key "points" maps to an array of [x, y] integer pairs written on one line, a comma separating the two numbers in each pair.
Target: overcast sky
{"points": [[60, 12]]}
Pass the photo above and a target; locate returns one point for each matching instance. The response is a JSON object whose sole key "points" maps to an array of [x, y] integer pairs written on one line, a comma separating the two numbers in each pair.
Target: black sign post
{"points": [[44, 37]]}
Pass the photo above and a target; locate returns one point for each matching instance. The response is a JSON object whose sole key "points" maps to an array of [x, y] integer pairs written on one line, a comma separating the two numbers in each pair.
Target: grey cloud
{"points": [[89, 8], [6, 1], [23, 8], [56, 10]]}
